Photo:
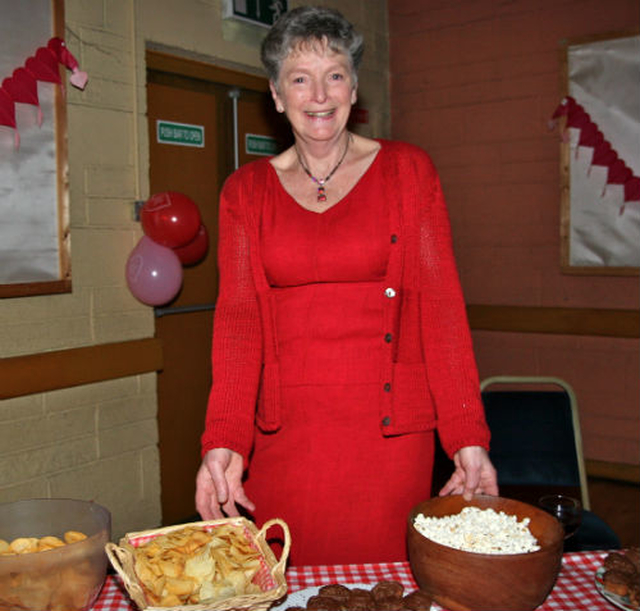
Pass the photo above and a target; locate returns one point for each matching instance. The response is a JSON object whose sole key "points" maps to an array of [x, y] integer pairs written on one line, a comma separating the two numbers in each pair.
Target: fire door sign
{"points": [[260, 12], [181, 134], [255, 144]]}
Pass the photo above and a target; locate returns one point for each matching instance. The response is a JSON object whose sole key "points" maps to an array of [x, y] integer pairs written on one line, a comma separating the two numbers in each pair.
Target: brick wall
{"points": [[474, 82]]}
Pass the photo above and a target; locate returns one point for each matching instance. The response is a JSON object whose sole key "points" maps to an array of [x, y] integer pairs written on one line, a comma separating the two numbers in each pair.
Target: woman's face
{"points": [[316, 90]]}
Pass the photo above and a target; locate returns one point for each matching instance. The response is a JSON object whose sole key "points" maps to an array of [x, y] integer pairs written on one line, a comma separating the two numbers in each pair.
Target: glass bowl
{"points": [[66, 578]]}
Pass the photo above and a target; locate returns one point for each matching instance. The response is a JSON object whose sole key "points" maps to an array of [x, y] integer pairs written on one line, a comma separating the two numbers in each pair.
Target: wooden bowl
{"points": [[467, 581]]}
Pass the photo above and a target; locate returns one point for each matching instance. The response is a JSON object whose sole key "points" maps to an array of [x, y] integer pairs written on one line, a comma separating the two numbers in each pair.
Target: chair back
{"points": [[535, 433]]}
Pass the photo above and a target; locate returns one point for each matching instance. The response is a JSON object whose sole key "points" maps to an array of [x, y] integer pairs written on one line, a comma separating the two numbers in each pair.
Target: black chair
{"points": [[536, 447]]}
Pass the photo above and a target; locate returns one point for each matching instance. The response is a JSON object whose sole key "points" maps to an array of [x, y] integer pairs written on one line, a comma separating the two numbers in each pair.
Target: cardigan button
{"points": [[387, 387], [388, 338], [386, 421], [390, 293], [394, 238]]}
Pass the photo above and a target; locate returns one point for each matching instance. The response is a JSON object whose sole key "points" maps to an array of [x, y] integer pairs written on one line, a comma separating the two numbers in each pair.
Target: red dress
{"points": [[344, 490]]}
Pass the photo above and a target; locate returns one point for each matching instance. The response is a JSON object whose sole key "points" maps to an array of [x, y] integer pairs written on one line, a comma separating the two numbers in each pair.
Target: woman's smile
{"points": [[320, 115]]}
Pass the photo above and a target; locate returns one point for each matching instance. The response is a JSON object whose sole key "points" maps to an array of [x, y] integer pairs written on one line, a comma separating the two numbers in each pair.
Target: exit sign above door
{"points": [[260, 12]]}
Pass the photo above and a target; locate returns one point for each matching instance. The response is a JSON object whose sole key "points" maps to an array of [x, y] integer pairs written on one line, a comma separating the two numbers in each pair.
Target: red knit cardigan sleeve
{"points": [[236, 352], [446, 339]]}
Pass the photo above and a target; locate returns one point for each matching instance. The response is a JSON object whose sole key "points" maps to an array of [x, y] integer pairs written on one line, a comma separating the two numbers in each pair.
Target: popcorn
{"points": [[483, 531]]}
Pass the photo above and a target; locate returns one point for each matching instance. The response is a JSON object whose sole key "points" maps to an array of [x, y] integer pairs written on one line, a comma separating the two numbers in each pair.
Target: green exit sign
{"points": [[260, 12], [255, 144], [182, 134]]}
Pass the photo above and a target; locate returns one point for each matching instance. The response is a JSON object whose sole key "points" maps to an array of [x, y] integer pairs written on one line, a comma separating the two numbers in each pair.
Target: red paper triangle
{"points": [[590, 135], [22, 87], [7, 109], [619, 173], [603, 154], [632, 190], [44, 66]]}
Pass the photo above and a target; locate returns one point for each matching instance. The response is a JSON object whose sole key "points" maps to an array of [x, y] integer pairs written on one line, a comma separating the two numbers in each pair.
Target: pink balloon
{"points": [[194, 251], [170, 218], [153, 272]]}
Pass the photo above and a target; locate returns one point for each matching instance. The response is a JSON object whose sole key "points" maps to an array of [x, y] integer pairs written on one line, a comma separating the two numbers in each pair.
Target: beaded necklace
{"points": [[322, 195]]}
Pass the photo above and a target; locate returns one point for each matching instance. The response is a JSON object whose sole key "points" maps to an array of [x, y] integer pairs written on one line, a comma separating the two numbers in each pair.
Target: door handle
{"points": [[160, 312], [234, 94]]}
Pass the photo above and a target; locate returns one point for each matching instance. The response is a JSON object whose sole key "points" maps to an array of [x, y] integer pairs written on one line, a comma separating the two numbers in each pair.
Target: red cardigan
{"points": [[430, 377]]}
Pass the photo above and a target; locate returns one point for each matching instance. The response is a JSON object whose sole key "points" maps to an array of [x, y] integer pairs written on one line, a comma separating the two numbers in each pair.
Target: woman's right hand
{"points": [[219, 485]]}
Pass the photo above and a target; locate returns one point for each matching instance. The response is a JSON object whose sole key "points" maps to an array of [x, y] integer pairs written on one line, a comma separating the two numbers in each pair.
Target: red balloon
{"points": [[170, 219], [194, 251]]}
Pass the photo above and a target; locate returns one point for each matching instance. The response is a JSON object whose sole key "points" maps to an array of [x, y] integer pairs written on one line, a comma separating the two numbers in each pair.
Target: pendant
{"points": [[322, 196]]}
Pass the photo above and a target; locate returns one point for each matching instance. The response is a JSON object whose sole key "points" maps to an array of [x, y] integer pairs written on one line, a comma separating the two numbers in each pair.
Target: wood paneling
{"points": [[34, 373], [618, 504], [156, 60], [558, 321], [614, 471]]}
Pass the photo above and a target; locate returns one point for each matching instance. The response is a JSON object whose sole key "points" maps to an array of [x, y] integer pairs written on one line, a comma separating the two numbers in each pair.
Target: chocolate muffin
{"points": [[634, 595], [417, 601], [324, 603], [616, 582], [387, 590], [390, 604], [619, 562], [386, 595], [336, 591], [360, 600], [359, 604], [633, 554]]}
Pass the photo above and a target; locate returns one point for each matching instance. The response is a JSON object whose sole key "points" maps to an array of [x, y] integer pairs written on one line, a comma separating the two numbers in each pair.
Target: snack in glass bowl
{"points": [[52, 554]]}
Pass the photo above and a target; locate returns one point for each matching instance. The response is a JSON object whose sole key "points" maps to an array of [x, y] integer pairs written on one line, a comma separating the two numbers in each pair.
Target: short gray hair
{"points": [[309, 24]]}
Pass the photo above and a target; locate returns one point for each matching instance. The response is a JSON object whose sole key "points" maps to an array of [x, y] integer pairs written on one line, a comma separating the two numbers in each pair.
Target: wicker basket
{"points": [[270, 578]]}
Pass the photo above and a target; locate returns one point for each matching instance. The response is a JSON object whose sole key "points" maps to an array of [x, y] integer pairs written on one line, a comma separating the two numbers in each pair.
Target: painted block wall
{"points": [[100, 441], [474, 82]]}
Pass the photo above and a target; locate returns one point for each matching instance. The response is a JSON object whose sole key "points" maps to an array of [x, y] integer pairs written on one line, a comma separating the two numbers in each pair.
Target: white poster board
{"points": [[601, 157], [33, 257]]}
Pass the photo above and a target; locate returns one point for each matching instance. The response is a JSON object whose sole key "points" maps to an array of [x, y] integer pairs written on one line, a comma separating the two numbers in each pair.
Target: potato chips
{"points": [[65, 580], [193, 565], [30, 545]]}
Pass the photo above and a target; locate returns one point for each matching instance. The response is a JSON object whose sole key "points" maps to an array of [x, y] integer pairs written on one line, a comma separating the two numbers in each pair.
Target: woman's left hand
{"points": [[474, 474]]}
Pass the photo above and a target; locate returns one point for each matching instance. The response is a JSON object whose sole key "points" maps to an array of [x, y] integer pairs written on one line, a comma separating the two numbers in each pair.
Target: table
{"points": [[574, 589]]}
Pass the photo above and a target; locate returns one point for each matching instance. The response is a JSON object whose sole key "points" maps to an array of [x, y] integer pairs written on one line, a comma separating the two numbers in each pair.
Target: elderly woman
{"points": [[340, 339]]}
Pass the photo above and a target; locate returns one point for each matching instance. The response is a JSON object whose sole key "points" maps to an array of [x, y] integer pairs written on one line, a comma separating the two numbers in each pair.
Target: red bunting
{"points": [[22, 87], [8, 114], [618, 173], [44, 66], [603, 154], [590, 135], [78, 78], [632, 189]]}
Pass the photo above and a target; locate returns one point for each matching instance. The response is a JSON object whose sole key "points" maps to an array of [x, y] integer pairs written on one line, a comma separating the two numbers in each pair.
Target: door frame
{"points": [[174, 71], [162, 62]]}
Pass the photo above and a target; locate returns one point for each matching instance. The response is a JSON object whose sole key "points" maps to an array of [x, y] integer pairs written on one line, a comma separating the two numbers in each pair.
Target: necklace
{"points": [[322, 196]]}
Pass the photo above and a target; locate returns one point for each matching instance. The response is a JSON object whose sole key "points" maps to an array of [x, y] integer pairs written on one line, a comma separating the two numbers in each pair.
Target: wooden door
{"points": [[185, 325]]}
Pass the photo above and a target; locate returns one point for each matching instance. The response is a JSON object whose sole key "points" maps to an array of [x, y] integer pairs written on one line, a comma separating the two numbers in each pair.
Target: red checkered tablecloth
{"points": [[574, 590]]}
